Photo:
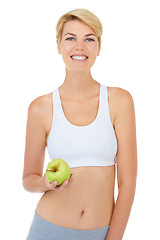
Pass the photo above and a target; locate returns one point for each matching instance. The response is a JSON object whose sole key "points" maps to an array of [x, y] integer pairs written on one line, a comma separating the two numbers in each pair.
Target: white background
{"points": [[30, 66]]}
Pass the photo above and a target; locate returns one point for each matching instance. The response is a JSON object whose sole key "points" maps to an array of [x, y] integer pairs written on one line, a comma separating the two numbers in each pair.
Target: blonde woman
{"points": [[92, 127]]}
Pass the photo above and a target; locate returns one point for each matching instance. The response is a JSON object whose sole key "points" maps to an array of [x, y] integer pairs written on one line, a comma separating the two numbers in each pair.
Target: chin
{"points": [[79, 69]]}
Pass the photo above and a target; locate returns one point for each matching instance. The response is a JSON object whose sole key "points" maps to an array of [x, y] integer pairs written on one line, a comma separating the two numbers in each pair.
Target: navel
{"points": [[82, 213]]}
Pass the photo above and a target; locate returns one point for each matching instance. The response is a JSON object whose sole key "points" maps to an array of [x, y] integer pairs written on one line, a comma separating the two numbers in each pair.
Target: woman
{"points": [[91, 127]]}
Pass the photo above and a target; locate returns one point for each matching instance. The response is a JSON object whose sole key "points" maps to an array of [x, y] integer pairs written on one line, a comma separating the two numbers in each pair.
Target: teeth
{"points": [[79, 57]]}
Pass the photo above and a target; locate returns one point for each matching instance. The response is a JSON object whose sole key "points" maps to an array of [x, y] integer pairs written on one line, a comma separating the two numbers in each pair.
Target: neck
{"points": [[78, 84]]}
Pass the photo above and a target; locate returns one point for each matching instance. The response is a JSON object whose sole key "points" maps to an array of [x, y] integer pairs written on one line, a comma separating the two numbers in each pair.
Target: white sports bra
{"points": [[91, 145]]}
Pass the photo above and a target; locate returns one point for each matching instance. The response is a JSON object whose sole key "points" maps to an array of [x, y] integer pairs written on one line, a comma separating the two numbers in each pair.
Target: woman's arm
{"points": [[39, 115], [35, 147], [126, 159]]}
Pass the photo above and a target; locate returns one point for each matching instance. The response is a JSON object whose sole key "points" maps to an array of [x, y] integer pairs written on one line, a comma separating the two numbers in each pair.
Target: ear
{"points": [[58, 47], [98, 52]]}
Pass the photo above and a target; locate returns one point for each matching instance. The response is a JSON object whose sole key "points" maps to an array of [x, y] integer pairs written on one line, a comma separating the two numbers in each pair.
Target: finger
{"points": [[65, 184], [70, 181], [62, 186], [53, 185], [59, 188]]}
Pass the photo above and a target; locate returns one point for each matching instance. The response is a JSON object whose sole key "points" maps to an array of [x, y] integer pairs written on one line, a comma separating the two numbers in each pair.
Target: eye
{"points": [[70, 39], [90, 40]]}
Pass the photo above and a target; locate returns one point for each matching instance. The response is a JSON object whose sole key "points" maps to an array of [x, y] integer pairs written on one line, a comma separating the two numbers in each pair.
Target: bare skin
{"points": [[87, 200], [80, 205]]}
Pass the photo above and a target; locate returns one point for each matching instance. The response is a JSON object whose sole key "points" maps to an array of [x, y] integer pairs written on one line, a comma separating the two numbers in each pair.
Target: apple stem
{"points": [[54, 170]]}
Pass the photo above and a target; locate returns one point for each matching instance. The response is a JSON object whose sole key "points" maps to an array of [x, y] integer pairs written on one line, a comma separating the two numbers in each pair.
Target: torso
{"points": [[89, 201]]}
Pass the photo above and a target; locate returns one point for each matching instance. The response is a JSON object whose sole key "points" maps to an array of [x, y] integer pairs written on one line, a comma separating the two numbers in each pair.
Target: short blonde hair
{"points": [[83, 15]]}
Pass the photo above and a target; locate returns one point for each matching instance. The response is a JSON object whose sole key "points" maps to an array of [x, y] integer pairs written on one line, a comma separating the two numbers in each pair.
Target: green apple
{"points": [[58, 170]]}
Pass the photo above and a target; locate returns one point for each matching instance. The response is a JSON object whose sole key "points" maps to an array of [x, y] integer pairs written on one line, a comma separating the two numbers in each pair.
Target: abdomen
{"points": [[86, 204]]}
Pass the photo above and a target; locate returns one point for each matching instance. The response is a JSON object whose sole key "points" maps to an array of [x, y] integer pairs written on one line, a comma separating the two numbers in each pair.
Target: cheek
{"points": [[94, 49], [66, 48]]}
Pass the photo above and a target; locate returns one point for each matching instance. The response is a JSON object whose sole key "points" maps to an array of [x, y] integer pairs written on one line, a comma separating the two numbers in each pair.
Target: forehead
{"points": [[76, 27]]}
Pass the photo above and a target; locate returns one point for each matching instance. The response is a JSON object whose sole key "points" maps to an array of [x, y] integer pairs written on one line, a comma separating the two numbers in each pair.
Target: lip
{"points": [[79, 60], [79, 55]]}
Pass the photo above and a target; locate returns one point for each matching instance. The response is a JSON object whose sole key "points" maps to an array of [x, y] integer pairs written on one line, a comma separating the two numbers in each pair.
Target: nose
{"points": [[79, 45]]}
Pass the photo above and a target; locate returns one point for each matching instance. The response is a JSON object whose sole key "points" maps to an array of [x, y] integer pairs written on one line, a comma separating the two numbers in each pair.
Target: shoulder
{"points": [[119, 94], [119, 97], [121, 103], [39, 107]]}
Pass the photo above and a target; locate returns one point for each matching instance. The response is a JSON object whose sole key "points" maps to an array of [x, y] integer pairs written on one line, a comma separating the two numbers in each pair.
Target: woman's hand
{"points": [[53, 185]]}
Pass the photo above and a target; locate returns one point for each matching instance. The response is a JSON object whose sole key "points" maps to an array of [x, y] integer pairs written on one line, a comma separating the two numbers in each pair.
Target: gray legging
{"points": [[43, 230]]}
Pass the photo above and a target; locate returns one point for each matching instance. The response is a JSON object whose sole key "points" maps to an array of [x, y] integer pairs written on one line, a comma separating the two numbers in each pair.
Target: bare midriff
{"points": [[87, 203]]}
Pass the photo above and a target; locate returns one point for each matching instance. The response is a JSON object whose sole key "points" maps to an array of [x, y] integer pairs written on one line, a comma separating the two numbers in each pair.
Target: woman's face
{"points": [[79, 46]]}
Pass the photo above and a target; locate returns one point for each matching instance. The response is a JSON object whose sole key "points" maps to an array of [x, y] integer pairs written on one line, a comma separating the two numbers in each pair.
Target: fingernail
{"points": [[66, 182]]}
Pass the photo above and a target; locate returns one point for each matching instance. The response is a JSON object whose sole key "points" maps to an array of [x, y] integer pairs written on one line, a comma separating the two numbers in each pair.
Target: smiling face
{"points": [[79, 46]]}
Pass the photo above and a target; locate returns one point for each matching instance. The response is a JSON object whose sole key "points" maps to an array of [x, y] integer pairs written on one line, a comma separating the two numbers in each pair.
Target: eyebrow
{"points": [[87, 35]]}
